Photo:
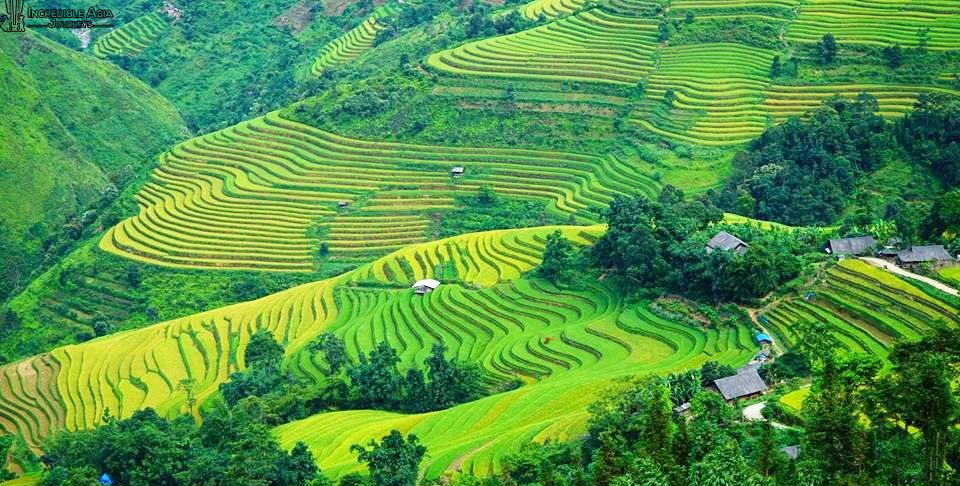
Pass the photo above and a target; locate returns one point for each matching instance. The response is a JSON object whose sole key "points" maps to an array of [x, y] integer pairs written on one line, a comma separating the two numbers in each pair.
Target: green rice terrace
{"points": [[721, 93], [565, 343], [353, 43], [247, 196], [868, 308], [570, 243], [131, 38]]}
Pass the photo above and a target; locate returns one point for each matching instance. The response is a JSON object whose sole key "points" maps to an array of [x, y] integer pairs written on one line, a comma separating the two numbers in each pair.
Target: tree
{"points": [[827, 48], [713, 370], [450, 383], [394, 461], [300, 467], [263, 350], [334, 351], [669, 97], [945, 214], [835, 436], [766, 453], [776, 69], [658, 429], [921, 393], [559, 260], [6, 442], [487, 196], [689, 17], [723, 467], [894, 55], [375, 379]]}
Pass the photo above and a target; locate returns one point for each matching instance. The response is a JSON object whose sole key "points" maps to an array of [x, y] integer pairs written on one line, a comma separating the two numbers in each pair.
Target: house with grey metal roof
{"points": [[727, 242], [921, 254], [745, 384], [859, 245]]}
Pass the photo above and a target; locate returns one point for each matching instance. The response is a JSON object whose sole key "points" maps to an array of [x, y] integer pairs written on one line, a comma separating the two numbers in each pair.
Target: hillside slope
{"points": [[73, 127], [562, 342]]}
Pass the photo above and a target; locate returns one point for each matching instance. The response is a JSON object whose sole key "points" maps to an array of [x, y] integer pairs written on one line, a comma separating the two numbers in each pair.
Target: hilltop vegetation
{"points": [[77, 131]]}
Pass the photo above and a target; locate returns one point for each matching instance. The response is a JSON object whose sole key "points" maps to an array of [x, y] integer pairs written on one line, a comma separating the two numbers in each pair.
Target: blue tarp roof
{"points": [[105, 479], [763, 337]]}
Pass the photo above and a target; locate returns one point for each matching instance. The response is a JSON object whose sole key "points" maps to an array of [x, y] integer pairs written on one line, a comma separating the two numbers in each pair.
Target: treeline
{"points": [[807, 171], [656, 247], [373, 381], [858, 427]]}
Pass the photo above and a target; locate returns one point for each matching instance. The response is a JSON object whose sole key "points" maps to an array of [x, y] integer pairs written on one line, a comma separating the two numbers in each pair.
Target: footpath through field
{"points": [[895, 269]]}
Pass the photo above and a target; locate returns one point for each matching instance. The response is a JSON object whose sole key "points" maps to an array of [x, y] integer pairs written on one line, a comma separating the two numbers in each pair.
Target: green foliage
{"points": [[752, 32], [712, 371], [145, 449], [662, 245], [263, 350], [931, 135], [489, 211], [802, 172], [78, 129], [334, 351], [827, 48], [393, 461], [560, 264], [790, 365]]}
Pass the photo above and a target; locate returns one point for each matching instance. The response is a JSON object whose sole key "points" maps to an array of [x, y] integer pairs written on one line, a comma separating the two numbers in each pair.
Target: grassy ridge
{"points": [[248, 196]]}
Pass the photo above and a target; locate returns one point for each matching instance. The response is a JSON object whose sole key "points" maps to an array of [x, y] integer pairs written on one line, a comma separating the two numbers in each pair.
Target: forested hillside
{"points": [[77, 130]]}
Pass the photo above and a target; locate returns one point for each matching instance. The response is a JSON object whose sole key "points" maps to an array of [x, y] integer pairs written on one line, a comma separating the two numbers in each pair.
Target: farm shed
{"points": [[851, 246], [726, 241], [343, 204], [922, 254], [764, 339], [425, 286], [745, 384], [457, 171]]}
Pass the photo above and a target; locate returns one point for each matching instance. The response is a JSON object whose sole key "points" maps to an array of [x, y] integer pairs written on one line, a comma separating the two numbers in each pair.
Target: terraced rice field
{"points": [[868, 308], [247, 196], [131, 38], [566, 344], [590, 46], [879, 22], [724, 94], [722, 103], [952, 274], [354, 43]]}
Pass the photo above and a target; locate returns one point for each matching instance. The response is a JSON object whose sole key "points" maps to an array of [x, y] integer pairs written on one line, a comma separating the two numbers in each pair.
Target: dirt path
{"points": [[895, 269], [755, 412], [754, 313]]}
